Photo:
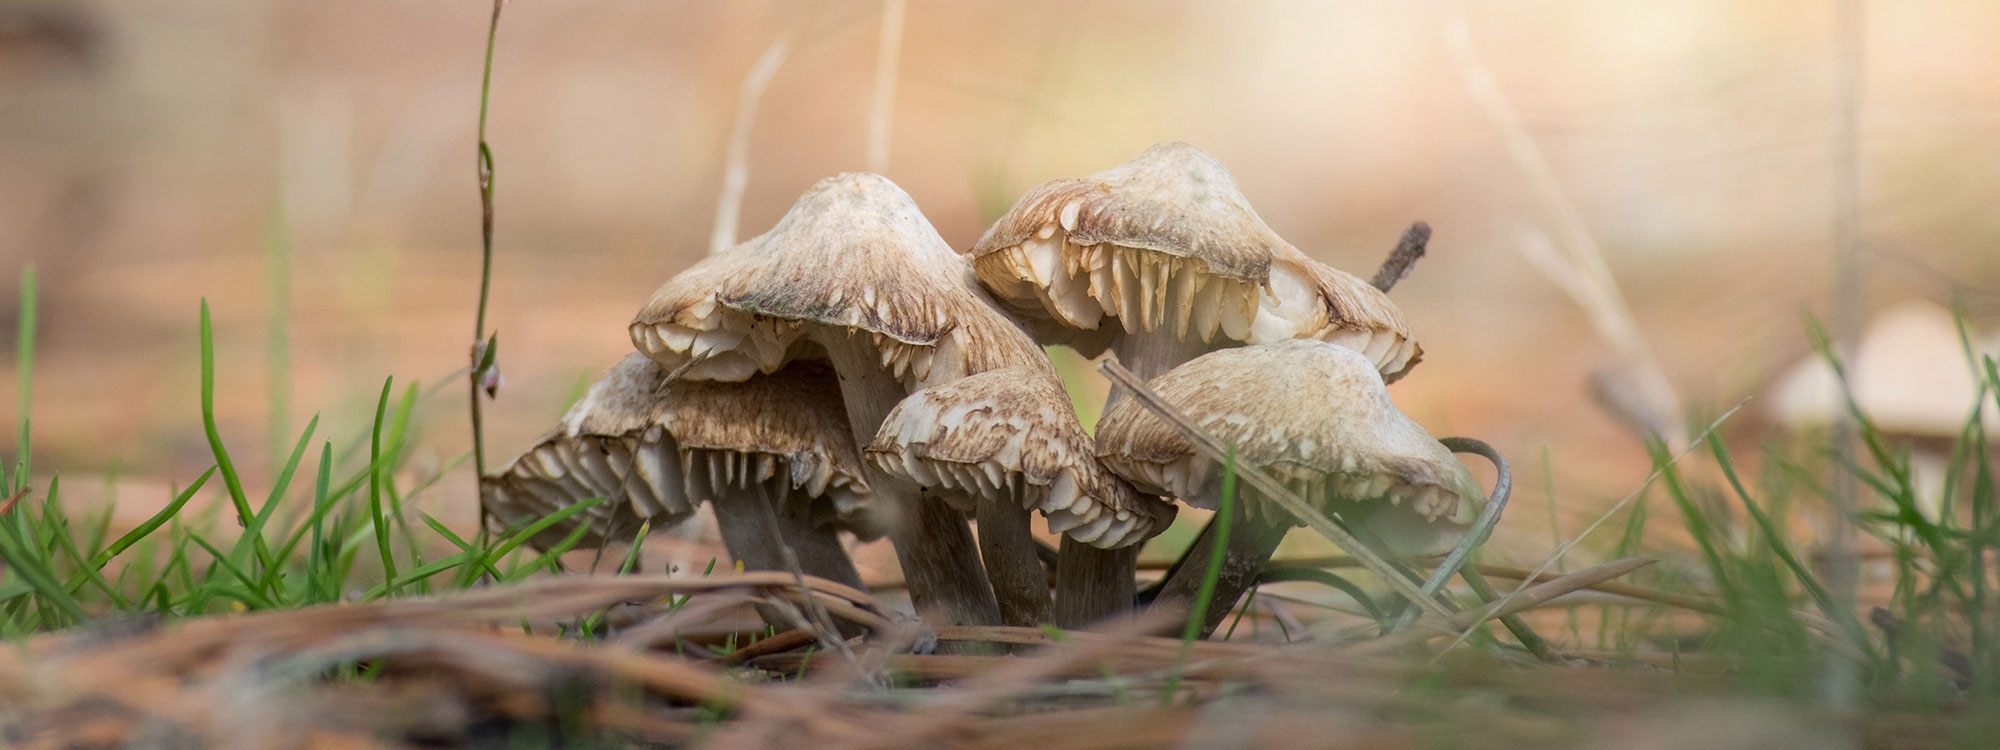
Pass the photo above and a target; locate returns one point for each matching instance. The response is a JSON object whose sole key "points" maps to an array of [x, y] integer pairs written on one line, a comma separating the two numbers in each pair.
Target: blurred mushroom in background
{"points": [[1911, 377]]}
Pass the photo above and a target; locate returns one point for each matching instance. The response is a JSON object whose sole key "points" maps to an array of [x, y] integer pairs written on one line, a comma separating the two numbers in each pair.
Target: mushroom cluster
{"points": [[847, 370]]}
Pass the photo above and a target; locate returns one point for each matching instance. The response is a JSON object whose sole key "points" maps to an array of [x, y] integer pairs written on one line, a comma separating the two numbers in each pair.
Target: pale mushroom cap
{"points": [[1167, 242], [854, 254], [1910, 376], [1307, 299], [1172, 198], [1011, 435], [1315, 415], [642, 444], [1165, 239]]}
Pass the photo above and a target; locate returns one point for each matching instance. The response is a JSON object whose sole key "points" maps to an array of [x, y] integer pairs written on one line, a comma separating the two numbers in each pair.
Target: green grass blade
{"points": [[230, 479], [1224, 518], [1696, 520], [421, 573], [250, 596], [254, 533], [24, 379], [469, 573], [375, 509], [1783, 550], [544, 559], [320, 507], [60, 531], [1225, 515], [518, 538], [32, 565], [152, 524]]}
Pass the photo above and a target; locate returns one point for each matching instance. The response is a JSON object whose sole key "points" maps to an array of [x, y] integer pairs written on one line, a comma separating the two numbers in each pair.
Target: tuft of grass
{"points": [[1781, 621], [286, 549]]}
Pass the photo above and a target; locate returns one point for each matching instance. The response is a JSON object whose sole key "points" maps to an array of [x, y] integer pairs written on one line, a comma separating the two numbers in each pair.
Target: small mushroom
{"points": [[1910, 375], [1162, 259], [655, 450], [1318, 417], [1008, 443], [856, 276]]}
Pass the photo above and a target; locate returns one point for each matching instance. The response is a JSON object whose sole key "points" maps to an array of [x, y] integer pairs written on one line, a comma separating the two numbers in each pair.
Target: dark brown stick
{"points": [[1408, 250]]}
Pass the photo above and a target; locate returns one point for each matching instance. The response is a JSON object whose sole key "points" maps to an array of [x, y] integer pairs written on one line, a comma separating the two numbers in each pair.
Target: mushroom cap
{"points": [[1307, 299], [608, 446], [1317, 417], [1011, 435], [789, 427], [1909, 375], [854, 255], [1167, 232], [653, 450], [1166, 241]]}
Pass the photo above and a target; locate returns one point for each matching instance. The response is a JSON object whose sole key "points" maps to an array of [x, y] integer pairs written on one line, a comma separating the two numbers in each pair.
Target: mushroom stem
{"points": [[933, 544], [748, 534], [1254, 535], [1149, 354], [1008, 548], [1093, 584]]}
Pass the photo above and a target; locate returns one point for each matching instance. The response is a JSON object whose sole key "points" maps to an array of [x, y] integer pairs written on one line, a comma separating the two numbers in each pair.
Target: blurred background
{"points": [[308, 168]]}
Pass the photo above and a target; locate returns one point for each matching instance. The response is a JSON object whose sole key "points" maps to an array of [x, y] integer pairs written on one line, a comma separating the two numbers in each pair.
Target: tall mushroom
{"points": [[854, 275], [1162, 259], [1318, 417], [1007, 443], [655, 450]]}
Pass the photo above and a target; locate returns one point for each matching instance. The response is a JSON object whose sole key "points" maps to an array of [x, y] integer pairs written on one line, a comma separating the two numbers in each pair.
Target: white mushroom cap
{"points": [[1167, 242], [1315, 415], [854, 256], [642, 445], [1909, 375], [1011, 436]]}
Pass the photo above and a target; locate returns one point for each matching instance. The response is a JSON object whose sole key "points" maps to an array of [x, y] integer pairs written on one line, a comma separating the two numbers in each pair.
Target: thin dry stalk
{"points": [[882, 106], [736, 163], [1639, 393], [1470, 619]]}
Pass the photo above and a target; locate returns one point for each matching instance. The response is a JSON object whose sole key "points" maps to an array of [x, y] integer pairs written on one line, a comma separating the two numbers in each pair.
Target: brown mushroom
{"points": [[655, 450], [1162, 259], [854, 275], [1333, 435], [1005, 443]]}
